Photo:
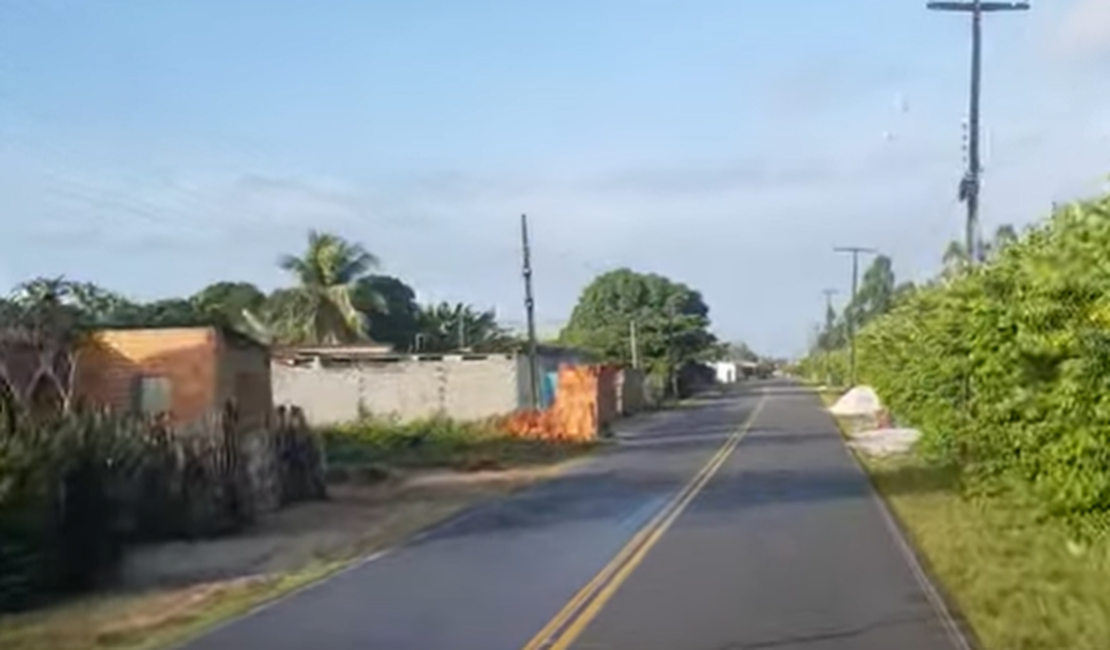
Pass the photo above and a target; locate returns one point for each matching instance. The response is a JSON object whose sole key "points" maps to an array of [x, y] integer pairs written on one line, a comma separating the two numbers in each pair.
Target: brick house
{"points": [[186, 373]]}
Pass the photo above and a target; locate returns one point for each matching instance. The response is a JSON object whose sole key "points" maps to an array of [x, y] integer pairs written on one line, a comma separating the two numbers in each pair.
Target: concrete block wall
{"points": [[407, 388], [631, 396]]}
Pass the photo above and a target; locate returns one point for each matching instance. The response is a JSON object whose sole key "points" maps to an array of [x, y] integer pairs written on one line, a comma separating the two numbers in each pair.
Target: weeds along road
{"points": [[740, 522]]}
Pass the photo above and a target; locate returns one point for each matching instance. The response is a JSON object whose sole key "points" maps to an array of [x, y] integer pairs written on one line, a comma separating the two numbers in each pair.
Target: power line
{"points": [[970, 183], [850, 310]]}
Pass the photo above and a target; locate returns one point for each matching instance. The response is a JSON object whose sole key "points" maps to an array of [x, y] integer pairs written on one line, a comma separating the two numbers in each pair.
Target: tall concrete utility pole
{"points": [[530, 310], [829, 293], [850, 310], [634, 344], [971, 182]]}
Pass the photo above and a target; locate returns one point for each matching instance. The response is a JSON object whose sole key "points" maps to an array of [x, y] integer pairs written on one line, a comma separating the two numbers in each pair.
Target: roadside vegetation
{"points": [[107, 544], [379, 447], [1004, 368], [386, 480], [338, 294]]}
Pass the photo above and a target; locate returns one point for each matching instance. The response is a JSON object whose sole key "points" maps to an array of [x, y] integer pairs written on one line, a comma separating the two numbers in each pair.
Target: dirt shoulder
{"points": [[170, 591]]}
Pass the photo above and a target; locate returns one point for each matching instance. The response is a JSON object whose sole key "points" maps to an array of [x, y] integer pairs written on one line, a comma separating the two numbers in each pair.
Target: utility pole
{"points": [[829, 293], [632, 342], [530, 310], [850, 310], [971, 182], [462, 331]]}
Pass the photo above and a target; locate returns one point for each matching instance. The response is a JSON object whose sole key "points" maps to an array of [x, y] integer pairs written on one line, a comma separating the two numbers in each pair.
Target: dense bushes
{"points": [[828, 368], [74, 489], [1006, 368]]}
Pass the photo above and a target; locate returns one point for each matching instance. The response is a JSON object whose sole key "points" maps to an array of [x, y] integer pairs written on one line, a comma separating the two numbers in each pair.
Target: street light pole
{"points": [[971, 182], [850, 310]]}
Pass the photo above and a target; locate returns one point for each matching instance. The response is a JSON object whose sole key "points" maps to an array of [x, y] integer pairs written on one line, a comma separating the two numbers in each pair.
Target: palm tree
{"points": [[320, 309], [447, 326]]}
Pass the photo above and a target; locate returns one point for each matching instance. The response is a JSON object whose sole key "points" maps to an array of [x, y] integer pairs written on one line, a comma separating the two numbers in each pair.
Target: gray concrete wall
{"points": [[407, 388]]}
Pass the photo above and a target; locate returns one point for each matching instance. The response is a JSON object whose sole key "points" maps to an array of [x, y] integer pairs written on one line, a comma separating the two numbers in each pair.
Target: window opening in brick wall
{"points": [[151, 395]]}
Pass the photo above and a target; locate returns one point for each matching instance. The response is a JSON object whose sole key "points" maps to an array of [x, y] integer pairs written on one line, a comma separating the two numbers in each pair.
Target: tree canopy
{"points": [[671, 321], [1002, 365], [334, 299]]}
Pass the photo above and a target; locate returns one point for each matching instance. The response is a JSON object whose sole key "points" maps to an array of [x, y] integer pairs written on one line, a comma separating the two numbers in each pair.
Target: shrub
{"points": [[1006, 368], [76, 488]]}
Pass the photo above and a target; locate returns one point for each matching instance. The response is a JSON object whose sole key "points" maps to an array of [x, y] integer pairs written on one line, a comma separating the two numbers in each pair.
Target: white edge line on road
{"points": [[273, 602], [435, 529], [954, 630], [423, 535]]}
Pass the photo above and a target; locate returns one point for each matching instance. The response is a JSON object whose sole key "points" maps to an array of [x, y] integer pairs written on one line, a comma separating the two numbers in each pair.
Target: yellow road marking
{"points": [[580, 610]]}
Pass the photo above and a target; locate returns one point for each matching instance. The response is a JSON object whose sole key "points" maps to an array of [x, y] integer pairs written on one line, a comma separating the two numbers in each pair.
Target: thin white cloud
{"points": [[1083, 30], [724, 228]]}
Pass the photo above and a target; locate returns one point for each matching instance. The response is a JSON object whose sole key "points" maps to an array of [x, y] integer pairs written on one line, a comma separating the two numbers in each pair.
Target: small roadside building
{"points": [[184, 373]]}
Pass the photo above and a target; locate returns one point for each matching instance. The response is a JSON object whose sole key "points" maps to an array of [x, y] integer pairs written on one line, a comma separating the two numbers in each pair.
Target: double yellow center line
{"points": [[562, 630]]}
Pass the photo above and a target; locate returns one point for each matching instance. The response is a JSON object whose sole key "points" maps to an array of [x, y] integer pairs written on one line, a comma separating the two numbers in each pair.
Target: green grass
{"points": [[1020, 578], [438, 443]]}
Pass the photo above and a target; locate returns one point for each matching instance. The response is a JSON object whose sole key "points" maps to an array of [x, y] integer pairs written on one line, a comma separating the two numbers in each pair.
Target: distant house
{"points": [[185, 373], [726, 371]]}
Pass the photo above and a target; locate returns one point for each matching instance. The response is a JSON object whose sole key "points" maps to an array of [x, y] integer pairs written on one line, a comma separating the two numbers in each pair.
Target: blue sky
{"points": [[155, 147]]}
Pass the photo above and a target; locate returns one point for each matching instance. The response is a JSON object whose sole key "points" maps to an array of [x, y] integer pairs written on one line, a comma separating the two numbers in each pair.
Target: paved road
{"points": [[777, 543]]}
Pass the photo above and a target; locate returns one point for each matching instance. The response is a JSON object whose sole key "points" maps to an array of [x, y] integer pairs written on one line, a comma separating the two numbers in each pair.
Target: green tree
{"points": [[671, 321], [447, 326], [737, 351], [226, 302], [391, 307], [876, 291], [321, 308]]}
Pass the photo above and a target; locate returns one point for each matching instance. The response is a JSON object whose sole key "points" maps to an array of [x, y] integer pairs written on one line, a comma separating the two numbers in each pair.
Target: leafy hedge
{"points": [[1006, 368]]}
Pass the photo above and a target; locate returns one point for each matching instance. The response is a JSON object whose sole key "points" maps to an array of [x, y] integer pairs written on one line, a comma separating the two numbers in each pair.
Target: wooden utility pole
{"points": [[634, 344], [850, 310], [530, 310]]}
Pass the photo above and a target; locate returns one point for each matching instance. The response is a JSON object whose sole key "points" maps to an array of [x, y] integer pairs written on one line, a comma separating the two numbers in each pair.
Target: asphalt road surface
{"points": [[737, 523]]}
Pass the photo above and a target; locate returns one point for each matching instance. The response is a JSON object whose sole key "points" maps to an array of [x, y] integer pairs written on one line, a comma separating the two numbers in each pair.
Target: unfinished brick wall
{"points": [[585, 404], [108, 367]]}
